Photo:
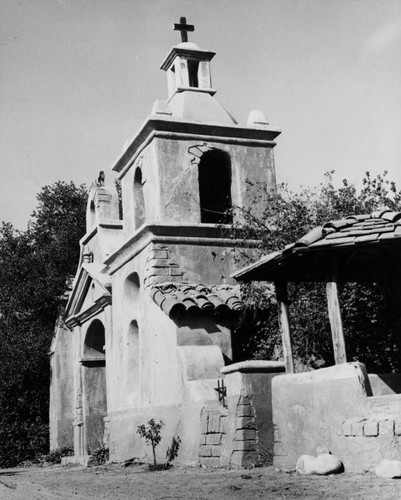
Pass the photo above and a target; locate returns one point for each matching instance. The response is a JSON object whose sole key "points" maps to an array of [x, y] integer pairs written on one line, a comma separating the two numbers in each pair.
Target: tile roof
{"points": [[173, 298], [382, 225], [376, 231]]}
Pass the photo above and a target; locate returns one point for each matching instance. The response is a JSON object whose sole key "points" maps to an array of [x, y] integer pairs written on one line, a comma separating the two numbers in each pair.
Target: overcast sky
{"points": [[78, 78]]}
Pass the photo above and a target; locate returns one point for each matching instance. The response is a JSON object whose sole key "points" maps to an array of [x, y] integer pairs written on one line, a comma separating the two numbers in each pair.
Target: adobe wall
{"points": [[334, 408]]}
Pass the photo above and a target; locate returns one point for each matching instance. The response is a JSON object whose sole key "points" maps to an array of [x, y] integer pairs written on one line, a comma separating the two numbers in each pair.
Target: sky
{"points": [[79, 77]]}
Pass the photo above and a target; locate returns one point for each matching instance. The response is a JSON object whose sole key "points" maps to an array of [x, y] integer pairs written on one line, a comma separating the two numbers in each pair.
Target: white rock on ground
{"points": [[389, 469], [322, 465]]}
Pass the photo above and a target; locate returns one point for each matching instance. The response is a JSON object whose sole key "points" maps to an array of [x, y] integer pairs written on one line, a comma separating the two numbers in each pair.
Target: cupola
{"points": [[188, 66]]}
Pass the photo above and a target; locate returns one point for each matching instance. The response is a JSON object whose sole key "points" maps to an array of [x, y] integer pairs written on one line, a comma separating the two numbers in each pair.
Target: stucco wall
{"points": [[174, 377], [334, 408], [61, 407], [178, 175], [170, 178]]}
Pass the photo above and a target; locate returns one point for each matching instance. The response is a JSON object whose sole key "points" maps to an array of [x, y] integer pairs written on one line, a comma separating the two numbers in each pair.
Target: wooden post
{"points": [[284, 322], [337, 333]]}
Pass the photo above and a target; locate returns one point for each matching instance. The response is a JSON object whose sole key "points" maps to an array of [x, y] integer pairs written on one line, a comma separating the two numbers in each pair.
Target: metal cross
{"points": [[184, 28], [221, 390]]}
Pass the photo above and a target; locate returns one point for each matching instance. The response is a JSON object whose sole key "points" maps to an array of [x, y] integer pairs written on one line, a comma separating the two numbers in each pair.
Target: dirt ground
{"points": [[137, 482]]}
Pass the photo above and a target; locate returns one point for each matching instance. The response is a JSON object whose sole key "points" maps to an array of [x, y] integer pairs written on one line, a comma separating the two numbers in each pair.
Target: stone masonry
{"points": [[213, 435], [242, 448]]}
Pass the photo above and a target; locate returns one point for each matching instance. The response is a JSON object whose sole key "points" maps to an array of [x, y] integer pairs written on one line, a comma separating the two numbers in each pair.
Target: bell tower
{"points": [[191, 163]]}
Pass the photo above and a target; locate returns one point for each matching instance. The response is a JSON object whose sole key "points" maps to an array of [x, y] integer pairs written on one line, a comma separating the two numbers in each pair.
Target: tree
{"points": [[34, 267], [370, 317], [151, 433]]}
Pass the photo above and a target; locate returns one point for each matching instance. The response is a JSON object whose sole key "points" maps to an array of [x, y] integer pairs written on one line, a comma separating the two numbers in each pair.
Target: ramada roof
{"points": [[356, 248], [176, 298]]}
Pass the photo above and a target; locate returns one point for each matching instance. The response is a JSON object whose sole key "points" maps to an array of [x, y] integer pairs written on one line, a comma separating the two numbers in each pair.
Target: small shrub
{"points": [[99, 456], [151, 433], [172, 450], [56, 455]]}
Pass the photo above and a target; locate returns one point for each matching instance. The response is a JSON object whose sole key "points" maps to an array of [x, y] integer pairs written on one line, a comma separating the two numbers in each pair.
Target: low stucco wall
{"points": [[334, 408], [181, 421]]}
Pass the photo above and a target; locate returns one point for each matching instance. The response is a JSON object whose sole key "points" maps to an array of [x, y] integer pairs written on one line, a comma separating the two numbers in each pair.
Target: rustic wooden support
{"points": [[337, 333], [284, 322]]}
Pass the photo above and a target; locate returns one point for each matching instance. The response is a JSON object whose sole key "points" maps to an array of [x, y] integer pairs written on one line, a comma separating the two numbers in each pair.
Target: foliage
{"points": [[151, 433], [370, 314], [172, 450], [99, 456], [34, 267], [55, 456]]}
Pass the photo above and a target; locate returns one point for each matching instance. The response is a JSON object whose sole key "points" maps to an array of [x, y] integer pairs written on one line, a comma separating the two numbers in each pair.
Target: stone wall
{"points": [[240, 434], [213, 435]]}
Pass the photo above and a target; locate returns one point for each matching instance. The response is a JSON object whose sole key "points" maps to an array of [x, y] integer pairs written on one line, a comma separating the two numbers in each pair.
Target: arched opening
{"points": [[94, 385], [94, 346], [132, 367], [214, 174], [139, 199], [193, 67], [132, 287]]}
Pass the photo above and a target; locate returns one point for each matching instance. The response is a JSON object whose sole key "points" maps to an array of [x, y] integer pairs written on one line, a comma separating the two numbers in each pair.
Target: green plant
{"points": [[99, 456], [55, 456], [150, 432], [172, 450]]}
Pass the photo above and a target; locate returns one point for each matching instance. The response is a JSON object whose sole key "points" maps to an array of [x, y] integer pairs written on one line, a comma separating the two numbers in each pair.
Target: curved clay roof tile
{"points": [[338, 224], [215, 300], [309, 238], [171, 306], [391, 216]]}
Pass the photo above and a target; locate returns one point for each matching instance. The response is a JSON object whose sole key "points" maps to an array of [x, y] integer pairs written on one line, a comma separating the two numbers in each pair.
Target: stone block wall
{"points": [[245, 438], [213, 435]]}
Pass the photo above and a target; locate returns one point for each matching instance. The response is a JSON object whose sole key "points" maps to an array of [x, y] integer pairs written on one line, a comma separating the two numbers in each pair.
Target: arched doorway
{"points": [[94, 385], [214, 173]]}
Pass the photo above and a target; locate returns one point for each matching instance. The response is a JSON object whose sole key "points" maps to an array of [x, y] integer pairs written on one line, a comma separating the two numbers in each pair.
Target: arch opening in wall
{"points": [[94, 386], [94, 346], [132, 357], [193, 68], [132, 287], [214, 173], [139, 199]]}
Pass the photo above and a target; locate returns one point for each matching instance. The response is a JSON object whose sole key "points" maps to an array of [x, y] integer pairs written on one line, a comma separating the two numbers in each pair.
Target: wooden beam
{"points": [[284, 324], [337, 333]]}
